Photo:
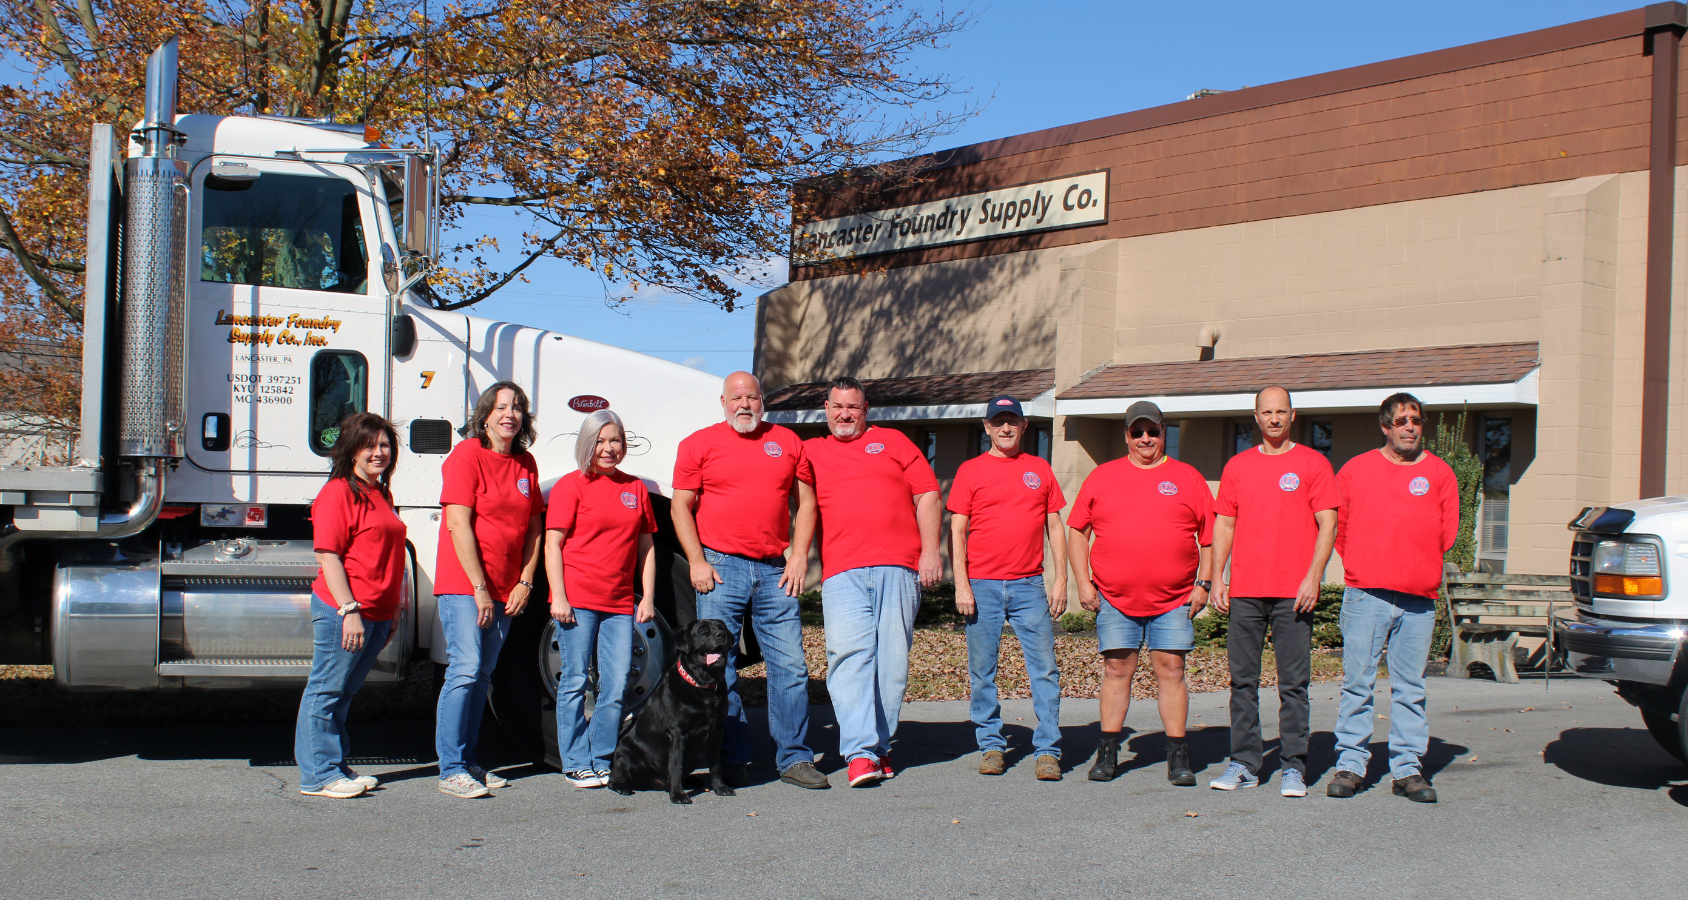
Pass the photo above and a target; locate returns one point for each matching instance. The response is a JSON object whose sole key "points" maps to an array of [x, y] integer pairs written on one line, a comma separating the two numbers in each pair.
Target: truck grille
{"points": [[1582, 563]]}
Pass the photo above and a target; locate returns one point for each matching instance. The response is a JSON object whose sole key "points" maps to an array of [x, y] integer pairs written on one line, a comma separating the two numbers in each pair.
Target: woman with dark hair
{"points": [[488, 552], [359, 544], [597, 546]]}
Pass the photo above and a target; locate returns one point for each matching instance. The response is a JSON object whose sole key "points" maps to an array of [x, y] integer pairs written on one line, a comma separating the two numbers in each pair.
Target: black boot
{"points": [[1178, 764], [1107, 758]]}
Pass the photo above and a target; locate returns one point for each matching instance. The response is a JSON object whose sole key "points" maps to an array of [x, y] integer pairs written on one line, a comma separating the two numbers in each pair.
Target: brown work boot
{"points": [[1344, 784], [992, 763], [1048, 768], [1415, 788]]}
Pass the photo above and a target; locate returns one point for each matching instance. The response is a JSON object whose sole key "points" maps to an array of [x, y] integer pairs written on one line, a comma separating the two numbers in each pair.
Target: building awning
{"points": [[922, 397], [1486, 375]]}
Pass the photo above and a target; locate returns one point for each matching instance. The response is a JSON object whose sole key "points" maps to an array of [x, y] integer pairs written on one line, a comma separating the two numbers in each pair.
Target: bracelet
{"points": [[526, 584], [481, 587], [347, 608]]}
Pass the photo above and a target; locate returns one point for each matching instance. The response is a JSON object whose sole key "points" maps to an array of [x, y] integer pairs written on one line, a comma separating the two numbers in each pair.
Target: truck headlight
{"points": [[1628, 569]]}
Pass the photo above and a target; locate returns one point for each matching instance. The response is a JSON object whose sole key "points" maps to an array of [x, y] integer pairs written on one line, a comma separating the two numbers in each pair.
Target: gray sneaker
{"points": [[1292, 783], [1236, 776], [805, 775], [463, 785], [490, 779]]}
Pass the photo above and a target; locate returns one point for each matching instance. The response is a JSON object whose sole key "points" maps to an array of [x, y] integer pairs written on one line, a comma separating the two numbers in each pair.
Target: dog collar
{"points": [[686, 675]]}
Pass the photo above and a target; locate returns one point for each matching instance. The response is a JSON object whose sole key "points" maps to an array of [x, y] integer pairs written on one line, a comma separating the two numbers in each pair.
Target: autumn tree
{"points": [[655, 142]]}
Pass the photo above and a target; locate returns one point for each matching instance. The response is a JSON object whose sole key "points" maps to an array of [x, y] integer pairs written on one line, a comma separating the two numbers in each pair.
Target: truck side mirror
{"points": [[418, 206]]}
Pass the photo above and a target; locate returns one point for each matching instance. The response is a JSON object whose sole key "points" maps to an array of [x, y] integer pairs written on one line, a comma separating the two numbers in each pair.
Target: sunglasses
{"points": [[1139, 432], [1402, 420]]}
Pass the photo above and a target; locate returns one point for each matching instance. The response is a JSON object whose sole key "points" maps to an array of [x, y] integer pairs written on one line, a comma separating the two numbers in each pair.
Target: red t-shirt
{"points": [[502, 493], [369, 539], [1396, 522], [603, 517], [1147, 525], [1273, 499], [863, 489], [1007, 503], [743, 485]]}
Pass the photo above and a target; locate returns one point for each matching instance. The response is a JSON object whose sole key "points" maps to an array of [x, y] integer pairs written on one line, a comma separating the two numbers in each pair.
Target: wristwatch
{"points": [[347, 608], [1204, 585]]}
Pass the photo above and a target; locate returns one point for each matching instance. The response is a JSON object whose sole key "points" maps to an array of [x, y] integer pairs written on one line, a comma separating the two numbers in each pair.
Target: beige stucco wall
{"points": [[1563, 264]]}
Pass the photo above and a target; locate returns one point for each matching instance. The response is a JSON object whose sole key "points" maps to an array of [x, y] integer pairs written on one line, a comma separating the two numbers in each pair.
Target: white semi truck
{"points": [[1629, 576], [251, 281]]}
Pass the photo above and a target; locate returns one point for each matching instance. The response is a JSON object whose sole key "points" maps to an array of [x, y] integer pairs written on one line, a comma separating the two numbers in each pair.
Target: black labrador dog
{"points": [[679, 728]]}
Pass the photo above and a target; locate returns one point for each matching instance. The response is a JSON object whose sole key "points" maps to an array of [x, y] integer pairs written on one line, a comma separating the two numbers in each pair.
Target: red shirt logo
{"points": [[773, 449], [629, 500], [1167, 488], [1419, 486], [1031, 480], [1289, 482], [875, 448], [522, 485]]}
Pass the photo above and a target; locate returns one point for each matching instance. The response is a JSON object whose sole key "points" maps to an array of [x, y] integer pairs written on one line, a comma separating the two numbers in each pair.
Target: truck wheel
{"points": [[1669, 734], [524, 686]]}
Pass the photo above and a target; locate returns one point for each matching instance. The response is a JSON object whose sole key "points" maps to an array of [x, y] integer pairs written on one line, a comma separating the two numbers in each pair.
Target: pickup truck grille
{"points": [[1582, 562]]}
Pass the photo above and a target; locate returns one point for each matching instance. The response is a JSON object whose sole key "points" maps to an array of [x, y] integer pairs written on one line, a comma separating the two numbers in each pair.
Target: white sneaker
{"points": [[1236, 776], [490, 779], [369, 782], [586, 778], [339, 789], [1292, 783], [463, 785]]}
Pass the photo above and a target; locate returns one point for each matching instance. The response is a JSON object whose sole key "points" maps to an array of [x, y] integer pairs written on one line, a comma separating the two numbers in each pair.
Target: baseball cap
{"points": [[1003, 403], [1143, 409]]}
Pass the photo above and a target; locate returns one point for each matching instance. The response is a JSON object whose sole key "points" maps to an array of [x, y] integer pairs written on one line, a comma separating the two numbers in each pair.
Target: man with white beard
{"points": [[879, 503], [732, 490]]}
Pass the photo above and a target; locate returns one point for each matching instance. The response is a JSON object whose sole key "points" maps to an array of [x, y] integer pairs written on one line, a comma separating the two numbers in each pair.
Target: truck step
{"points": [[238, 668]]}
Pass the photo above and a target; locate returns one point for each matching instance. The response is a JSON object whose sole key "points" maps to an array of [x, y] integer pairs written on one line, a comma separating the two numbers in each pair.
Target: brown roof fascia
{"points": [[923, 390], [1630, 23]]}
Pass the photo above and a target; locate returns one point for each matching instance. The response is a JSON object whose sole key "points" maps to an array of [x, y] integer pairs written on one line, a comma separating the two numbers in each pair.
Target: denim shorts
{"points": [[1171, 630]]}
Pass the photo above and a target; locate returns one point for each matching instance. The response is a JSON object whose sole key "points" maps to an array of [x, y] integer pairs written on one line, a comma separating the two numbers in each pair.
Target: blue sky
{"points": [[1042, 64]]}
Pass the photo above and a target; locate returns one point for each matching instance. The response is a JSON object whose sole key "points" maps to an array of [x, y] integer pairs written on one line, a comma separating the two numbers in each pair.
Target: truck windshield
{"points": [[288, 231]]}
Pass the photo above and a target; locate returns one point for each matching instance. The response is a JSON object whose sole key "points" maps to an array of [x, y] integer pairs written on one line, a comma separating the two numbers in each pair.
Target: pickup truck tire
{"points": [[1669, 734]]}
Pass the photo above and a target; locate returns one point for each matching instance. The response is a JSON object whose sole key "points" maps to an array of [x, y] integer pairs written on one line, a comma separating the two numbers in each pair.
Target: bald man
{"points": [[732, 490], [1275, 524]]}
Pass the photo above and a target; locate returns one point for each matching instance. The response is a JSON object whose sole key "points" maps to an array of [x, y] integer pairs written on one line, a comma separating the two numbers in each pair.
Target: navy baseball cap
{"points": [[1003, 403]]}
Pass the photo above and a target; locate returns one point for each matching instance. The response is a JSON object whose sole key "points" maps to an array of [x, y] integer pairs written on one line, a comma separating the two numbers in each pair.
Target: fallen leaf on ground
{"points": [[1191, 814]]}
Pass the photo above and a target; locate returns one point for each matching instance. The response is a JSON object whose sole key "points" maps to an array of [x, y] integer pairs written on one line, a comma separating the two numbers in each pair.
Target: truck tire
{"points": [[1669, 734]]}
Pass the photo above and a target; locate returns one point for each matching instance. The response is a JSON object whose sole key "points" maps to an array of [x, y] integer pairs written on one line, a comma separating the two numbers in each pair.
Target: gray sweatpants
{"points": [[1292, 639]]}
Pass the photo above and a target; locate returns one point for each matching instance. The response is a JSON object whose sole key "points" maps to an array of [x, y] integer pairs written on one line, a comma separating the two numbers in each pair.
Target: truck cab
{"points": [[1629, 576]]}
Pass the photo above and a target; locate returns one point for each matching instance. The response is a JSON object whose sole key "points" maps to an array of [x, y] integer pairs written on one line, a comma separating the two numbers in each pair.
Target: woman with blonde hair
{"points": [[597, 545]]}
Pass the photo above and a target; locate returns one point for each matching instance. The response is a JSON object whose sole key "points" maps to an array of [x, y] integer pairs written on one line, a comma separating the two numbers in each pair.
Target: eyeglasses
{"points": [[1398, 421], [1139, 432]]}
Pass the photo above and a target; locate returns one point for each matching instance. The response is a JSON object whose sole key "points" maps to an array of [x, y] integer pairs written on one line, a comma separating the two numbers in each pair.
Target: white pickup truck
{"points": [[1630, 625]]}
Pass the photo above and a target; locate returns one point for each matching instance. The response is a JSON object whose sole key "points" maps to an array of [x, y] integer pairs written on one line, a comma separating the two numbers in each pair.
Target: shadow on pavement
{"points": [[1618, 757]]}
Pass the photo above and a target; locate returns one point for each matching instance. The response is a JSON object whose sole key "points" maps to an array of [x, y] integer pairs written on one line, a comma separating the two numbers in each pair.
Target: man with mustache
{"points": [[1399, 516], [732, 492], [880, 514]]}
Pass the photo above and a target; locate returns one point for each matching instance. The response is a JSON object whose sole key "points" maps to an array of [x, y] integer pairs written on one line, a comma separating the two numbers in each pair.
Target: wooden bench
{"points": [[1474, 597]]}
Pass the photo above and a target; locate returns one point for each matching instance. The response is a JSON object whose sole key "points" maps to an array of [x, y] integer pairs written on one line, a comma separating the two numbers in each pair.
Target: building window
{"points": [[1319, 436], [1042, 442], [1172, 441], [984, 439], [931, 447], [1242, 438], [1497, 489]]}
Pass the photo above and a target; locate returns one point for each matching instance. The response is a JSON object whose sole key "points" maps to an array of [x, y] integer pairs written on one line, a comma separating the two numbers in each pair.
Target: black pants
{"points": [[1292, 639]]}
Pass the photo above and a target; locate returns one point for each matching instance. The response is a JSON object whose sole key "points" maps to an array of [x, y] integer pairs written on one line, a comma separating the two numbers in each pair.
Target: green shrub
{"points": [[1077, 622], [1212, 625]]}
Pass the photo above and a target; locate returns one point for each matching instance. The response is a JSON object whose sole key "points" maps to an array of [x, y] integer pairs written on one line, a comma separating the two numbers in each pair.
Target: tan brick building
{"points": [[1495, 227]]}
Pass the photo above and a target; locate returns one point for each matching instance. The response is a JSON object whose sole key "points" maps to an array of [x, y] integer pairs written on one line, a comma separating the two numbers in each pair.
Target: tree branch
{"points": [[26, 260], [483, 293]]}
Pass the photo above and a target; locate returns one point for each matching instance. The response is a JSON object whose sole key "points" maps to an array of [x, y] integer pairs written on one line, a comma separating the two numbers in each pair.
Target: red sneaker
{"points": [[863, 771], [885, 770]]}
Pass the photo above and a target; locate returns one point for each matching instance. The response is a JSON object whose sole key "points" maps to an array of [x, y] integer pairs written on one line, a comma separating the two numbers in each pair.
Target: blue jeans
{"points": [[1024, 605], [472, 653], [869, 614], [1406, 621], [320, 744], [583, 745], [755, 585]]}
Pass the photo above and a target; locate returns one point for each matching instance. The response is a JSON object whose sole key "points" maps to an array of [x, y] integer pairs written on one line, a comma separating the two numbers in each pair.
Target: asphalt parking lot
{"points": [[1544, 793]]}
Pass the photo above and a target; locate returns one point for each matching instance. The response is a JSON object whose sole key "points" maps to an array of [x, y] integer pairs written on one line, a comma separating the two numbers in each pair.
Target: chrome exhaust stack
{"points": [[150, 420]]}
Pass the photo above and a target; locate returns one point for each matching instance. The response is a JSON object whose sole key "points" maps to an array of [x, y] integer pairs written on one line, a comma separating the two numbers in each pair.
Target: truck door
{"points": [[286, 321]]}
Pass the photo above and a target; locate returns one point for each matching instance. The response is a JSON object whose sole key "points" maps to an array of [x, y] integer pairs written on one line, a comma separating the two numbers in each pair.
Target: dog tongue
{"points": [[710, 658]]}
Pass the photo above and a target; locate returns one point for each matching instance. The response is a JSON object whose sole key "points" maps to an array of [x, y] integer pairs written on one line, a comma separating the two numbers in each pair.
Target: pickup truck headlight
{"points": [[1628, 569]]}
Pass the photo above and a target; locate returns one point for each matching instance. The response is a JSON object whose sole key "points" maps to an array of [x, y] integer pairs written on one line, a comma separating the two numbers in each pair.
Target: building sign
{"points": [[1042, 206]]}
